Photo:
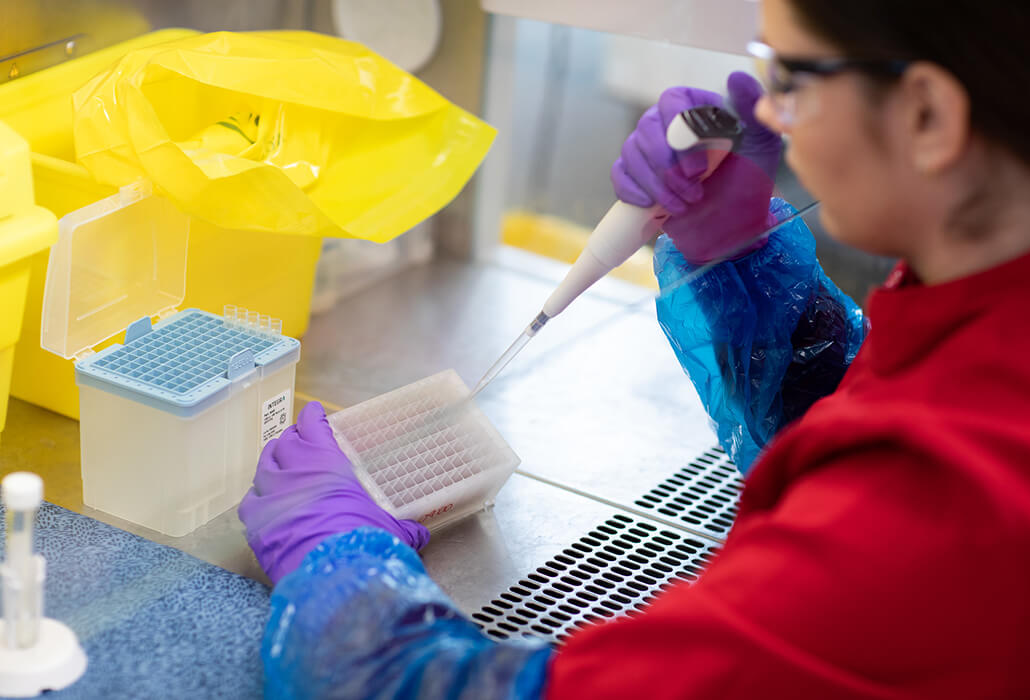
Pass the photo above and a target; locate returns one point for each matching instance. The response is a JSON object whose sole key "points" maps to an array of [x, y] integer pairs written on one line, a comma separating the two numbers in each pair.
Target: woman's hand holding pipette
{"points": [[304, 491], [713, 217]]}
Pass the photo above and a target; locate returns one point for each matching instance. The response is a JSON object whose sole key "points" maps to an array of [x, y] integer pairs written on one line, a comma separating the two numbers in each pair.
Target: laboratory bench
{"points": [[618, 465]]}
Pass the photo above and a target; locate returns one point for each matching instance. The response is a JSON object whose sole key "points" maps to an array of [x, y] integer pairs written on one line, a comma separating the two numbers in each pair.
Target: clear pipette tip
{"points": [[511, 352], [543, 318]]}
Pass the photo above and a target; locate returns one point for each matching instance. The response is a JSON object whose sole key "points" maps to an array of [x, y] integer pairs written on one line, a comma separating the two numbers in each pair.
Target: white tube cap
{"points": [[22, 491]]}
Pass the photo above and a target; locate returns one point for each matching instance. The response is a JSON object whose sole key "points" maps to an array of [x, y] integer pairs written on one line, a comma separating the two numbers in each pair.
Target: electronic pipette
{"points": [[625, 228]]}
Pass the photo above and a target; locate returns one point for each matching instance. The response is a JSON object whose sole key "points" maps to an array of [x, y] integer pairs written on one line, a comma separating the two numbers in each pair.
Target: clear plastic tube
{"points": [[21, 597], [22, 582]]}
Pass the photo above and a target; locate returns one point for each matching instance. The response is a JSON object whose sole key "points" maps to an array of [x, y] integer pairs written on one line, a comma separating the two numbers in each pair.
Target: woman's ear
{"points": [[936, 114]]}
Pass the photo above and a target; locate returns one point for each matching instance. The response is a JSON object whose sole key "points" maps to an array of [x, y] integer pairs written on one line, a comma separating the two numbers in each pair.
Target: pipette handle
{"points": [[626, 228], [622, 231]]}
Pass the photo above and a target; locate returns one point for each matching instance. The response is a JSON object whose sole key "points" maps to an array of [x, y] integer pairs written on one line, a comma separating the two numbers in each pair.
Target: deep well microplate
{"points": [[425, 451]]}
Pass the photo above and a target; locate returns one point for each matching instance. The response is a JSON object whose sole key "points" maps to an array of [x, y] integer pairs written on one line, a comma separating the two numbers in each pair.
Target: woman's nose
{"points": [[765, 112]]}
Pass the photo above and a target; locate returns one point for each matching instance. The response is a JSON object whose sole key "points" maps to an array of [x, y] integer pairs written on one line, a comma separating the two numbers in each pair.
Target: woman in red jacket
{"points": [[881, 546]]}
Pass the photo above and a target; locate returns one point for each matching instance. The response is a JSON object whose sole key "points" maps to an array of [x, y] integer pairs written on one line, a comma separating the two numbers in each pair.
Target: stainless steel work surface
{"points": [[598, 409], [545, 560], [596, 402], [476, 558]]}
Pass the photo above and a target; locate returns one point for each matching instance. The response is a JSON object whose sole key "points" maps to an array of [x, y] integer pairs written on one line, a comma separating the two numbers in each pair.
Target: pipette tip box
{"points": [[173, 419], [173, 422], [426, 451]]}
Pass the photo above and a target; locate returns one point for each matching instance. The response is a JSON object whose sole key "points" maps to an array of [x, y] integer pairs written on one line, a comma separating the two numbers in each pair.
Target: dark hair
{"points": [[985, 44]]}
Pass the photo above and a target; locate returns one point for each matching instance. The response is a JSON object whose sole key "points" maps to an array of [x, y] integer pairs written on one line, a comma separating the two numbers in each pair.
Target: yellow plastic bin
{"points": [[271, 272], [26, 230]]}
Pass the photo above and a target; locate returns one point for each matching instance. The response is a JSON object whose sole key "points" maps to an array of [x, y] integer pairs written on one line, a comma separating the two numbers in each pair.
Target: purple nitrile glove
{"points": [[304, 491], [709, 218]]}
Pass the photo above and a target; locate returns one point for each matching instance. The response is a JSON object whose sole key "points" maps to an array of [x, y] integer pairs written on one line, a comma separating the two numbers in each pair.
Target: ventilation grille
{"points": [[702, 495], [615, 569]]}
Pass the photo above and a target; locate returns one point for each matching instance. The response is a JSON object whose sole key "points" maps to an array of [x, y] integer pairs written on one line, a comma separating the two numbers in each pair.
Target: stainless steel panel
{"points": [[598, 418], [480, 556], [36, 34], [722, 25], [596, 402]]}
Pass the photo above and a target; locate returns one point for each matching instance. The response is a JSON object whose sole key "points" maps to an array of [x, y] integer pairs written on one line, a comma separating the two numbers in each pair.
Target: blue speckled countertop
{"points": [[155, 622]]}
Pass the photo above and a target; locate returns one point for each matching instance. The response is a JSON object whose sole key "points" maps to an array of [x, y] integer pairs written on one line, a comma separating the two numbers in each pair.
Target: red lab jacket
{"points": [[882, 547]]}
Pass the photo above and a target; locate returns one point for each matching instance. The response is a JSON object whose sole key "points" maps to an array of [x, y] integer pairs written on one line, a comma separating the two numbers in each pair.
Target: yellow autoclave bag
{"points": [[291, 132]]}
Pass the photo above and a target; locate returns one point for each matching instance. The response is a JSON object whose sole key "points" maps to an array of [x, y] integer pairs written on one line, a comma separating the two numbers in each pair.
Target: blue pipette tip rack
{"points": [[182, 364]]}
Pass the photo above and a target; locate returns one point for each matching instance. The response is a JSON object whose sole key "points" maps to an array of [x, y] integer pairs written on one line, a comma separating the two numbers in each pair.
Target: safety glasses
{"points": [[783, 77], [782, 74]]}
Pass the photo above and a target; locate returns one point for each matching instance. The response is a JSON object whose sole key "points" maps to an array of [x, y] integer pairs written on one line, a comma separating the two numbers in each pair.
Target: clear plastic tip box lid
{"points": [[118, 262], [425, 451]]}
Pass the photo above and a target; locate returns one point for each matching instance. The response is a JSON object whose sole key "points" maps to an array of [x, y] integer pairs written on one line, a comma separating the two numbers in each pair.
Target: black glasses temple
{"points": [[831, 66]]}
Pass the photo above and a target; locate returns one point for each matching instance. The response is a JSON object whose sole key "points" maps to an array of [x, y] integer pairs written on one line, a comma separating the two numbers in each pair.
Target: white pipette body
{"points": [[626, 228], [622, 232]]}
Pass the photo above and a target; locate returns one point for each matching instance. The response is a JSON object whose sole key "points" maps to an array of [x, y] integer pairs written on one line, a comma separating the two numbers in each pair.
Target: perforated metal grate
{"points": [[702, 495], [615, 569]]}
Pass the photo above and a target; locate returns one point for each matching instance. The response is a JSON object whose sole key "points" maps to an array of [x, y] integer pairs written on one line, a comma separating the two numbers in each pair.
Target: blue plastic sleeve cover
{"points": [[361, 618], [762, 338]]}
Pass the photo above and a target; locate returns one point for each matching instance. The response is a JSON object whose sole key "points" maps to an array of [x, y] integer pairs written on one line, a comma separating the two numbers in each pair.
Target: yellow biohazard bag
{"points": [[291, 132]]}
